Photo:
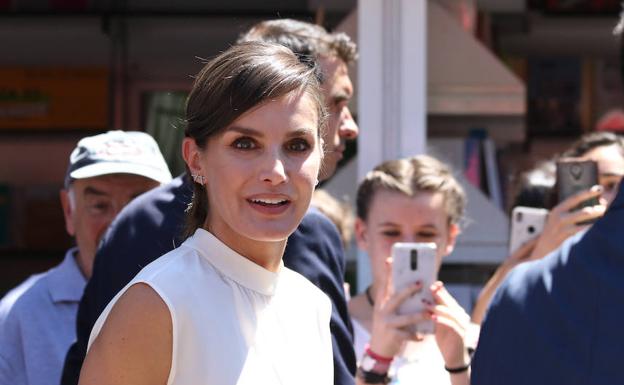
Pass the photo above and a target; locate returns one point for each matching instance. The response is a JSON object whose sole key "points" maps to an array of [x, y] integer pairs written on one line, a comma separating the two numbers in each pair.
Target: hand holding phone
{"points": [[527, 223], [564, 221], [576, 176], [411, 263], [389, 330]]}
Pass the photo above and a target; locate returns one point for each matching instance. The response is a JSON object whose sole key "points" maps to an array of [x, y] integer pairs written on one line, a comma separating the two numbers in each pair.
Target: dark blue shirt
{"points": [[559, 320], [150, 226]]}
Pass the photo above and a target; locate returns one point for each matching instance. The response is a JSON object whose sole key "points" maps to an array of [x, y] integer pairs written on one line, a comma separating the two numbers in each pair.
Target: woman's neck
{"points": [[267, 254]]}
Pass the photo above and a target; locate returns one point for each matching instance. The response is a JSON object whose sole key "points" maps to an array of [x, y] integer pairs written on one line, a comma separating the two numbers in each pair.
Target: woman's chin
{"points": [[271, 233]]}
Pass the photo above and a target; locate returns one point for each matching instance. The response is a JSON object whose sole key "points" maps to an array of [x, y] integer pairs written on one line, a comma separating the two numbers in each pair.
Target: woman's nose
{"points": [[274, 169]]}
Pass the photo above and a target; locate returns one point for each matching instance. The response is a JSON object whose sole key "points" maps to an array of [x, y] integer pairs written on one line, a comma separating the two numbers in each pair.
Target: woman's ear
{"points": [[452, 237], [192, 155], [361, 237]]}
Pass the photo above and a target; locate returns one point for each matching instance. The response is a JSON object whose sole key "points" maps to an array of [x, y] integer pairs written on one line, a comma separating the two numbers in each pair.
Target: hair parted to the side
{"points": [[409, 176], [307, 41], [239, 79]]}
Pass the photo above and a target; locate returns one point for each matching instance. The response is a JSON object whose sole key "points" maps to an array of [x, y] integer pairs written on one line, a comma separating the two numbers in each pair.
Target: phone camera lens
{"points": [[414, 259], [531, 229], [576, 171]]}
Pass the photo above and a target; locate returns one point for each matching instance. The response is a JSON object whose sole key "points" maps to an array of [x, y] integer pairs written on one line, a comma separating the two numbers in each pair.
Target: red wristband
{"points": [[377, 357]]}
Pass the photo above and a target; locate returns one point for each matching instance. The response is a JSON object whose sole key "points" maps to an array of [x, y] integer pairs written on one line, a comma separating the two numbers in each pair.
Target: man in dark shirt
{"points": [[558, 320], [151, 225]]}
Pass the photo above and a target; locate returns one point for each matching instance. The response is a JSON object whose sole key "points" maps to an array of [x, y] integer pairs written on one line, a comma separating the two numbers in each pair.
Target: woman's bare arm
{"points": [[135, 343], [522, 254]]}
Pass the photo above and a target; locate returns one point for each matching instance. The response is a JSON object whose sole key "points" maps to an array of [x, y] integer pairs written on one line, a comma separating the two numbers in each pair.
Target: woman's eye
{"points": [[609, 186], [391, 234], [427, 235], [244, 144], [298, 145]]}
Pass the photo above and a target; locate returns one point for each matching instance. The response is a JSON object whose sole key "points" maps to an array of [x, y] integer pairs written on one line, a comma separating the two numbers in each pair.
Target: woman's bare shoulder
{"points": [[135, 343]]}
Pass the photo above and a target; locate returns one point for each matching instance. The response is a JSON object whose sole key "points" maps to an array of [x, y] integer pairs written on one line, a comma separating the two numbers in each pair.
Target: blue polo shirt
{"points": [[37, 324]]}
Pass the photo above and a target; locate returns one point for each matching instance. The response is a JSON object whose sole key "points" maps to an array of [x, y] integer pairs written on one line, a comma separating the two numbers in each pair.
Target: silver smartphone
{"points": [[526, 224], [413, 262]]}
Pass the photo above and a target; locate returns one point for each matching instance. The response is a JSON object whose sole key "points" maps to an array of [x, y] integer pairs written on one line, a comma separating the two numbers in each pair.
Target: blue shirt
{"points": [[37, 324], [559, 320]]}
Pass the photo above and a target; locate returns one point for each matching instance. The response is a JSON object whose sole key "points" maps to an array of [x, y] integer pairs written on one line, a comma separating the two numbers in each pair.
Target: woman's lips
{"points": [[270, 206]]}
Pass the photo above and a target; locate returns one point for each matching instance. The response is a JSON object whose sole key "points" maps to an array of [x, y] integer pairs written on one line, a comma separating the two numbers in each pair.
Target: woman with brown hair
{"points": [[222, 308]]}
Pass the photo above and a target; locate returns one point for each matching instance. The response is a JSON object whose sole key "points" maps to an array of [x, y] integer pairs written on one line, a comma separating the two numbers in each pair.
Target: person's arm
{"points": [[389, 330], [530, 304], [451, 325], [134, 346], [563, 221], [561, 224], [522, 254]]}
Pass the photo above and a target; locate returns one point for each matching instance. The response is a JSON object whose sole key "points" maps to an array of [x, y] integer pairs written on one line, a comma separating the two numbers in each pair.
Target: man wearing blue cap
{"points": [[37, 318]]}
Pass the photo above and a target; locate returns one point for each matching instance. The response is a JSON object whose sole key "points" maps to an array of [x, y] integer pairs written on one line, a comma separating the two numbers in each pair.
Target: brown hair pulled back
{"points": [[409, 176], [239, 79]]}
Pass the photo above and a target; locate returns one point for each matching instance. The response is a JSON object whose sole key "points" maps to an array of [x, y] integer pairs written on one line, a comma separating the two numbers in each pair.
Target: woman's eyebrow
{"points": [[301, 132], [246, 131], [257, 133], [383, 224]]}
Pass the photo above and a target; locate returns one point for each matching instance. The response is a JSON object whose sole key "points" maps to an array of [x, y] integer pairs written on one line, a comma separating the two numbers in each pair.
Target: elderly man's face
{"points": [[90, 205], [337, 90]]}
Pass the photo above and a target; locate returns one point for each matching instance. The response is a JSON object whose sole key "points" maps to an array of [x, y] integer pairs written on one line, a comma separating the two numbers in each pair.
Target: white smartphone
{"points": [[413, 262], [526, 224]]}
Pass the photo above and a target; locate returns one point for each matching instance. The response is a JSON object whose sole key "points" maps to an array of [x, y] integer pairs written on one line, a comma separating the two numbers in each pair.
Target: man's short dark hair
{"points": [[307, 41]]}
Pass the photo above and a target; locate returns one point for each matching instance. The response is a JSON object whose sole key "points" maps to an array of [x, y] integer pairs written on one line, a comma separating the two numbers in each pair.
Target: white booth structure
{"points": [[422, 82]]}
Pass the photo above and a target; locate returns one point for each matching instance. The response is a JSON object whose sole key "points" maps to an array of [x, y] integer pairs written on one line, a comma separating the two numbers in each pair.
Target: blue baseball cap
{"points": [[117, 152]]}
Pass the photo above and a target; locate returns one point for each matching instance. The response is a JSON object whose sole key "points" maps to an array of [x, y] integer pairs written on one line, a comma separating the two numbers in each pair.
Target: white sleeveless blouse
{"points": [[235, 322]]}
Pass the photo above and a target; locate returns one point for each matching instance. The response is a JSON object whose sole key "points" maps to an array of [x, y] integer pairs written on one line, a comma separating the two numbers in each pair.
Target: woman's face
{"points": [[261, 170], [610, 168], [395, 217]]}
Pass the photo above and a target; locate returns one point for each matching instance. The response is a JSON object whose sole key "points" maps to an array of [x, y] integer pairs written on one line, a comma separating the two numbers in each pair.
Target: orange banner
{"points": [[53, 98]]}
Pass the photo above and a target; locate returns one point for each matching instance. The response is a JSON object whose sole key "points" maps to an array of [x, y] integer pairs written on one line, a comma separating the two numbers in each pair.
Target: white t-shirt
{"points": [[235, 322], [418, 363]]}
